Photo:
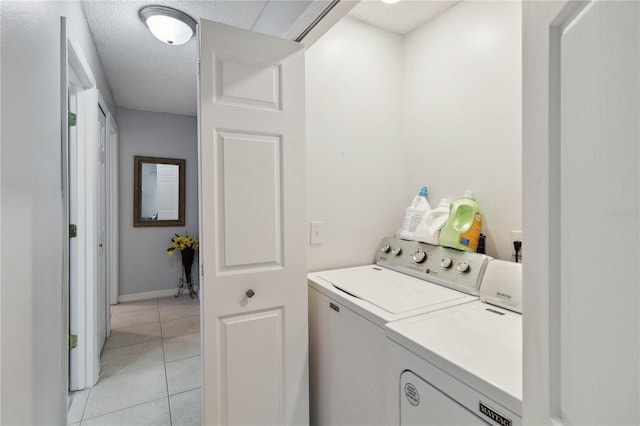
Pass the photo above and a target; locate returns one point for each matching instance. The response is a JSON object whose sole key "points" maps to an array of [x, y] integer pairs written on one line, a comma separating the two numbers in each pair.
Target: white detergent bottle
{"points": [[414, 214], [428, 231]]}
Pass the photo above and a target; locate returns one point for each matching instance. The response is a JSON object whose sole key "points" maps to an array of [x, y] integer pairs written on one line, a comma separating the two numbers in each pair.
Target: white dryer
{"points": [[348, 309], [462, 365]]}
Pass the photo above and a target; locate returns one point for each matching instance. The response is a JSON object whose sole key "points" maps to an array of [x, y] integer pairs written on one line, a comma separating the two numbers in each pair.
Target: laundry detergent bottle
{"points": [[414, 214], [462, 231], [432, 222]]}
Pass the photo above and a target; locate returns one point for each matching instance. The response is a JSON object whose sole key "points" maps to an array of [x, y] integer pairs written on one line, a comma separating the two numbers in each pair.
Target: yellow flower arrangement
{"points": [[181, 242]]}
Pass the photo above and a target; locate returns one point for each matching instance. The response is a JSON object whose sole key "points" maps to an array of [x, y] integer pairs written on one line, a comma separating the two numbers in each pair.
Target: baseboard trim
{"points": [[155, 294]]}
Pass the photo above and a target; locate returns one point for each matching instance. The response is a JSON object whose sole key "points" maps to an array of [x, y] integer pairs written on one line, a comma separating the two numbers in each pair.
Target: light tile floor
{"points": [[150, 368]]}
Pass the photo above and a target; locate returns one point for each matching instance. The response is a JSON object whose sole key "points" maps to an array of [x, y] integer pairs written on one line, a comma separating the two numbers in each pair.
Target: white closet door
{"points": [[252, 183], [102, 298], [582, 145], [600, 241]]}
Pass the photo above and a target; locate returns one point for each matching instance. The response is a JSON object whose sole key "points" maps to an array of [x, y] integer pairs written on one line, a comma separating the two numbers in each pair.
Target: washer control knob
{"points": [[463, 266], [385, 248], [446, 262], [397, 251], [419, 256]]}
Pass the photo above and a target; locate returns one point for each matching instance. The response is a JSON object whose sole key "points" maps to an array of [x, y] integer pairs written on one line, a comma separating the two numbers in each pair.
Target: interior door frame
{"points": [[73, 61], [112, 228], [102, 202], [112, 210], [79, 301]]}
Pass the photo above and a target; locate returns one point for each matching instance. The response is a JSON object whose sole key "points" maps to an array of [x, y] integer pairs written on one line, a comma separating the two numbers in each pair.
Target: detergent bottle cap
{"points": [[469, 194], [423, 192]]}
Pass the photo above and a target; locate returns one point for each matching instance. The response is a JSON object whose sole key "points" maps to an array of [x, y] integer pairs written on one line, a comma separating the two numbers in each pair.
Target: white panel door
{"points": [[253, 239], [101, 194], [582, 292], [600, 243], [168, 191]]}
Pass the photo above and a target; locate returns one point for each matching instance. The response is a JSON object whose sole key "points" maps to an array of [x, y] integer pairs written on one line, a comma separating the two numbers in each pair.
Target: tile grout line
{"points": [[151, 306], [134, 369], [82, 418], [137, 311], [133, 344], [141, 308], [164, 359], [187, 391], [84, 409], [124, 408], [134, 325]]}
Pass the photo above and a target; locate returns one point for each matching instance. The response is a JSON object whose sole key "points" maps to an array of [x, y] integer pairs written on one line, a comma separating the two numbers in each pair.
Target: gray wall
{"points": [[144, 264], [33, 352]]}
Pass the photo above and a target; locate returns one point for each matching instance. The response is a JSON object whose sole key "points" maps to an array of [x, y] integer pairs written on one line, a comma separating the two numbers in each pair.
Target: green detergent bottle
{"points": [[462, 231]]}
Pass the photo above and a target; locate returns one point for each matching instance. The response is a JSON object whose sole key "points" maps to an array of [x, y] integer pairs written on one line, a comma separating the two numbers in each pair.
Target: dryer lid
{"points": [[479, 344], [389, 290]]}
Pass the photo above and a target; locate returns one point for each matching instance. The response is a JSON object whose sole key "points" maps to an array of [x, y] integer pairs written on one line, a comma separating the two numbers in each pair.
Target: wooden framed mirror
{"points": [[158, 191]]}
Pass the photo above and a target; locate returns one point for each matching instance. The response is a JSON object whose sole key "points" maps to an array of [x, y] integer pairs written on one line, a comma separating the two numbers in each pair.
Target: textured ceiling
{"points": [[402, 17], [149, 75]]}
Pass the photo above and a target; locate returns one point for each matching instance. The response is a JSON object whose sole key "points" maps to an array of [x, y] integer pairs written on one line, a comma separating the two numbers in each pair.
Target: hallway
{"points": [[150, 367]]}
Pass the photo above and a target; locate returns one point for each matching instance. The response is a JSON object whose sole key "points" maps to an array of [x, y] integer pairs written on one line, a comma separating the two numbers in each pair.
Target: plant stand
{"points": [[186, 281]]}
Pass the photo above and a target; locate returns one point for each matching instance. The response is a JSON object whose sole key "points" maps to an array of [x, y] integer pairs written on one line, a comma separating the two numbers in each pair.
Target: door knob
{"points": [[250, 293]]}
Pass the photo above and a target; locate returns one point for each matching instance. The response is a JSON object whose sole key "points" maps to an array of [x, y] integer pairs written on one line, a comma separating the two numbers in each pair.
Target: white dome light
{"points": [[168, 25]]}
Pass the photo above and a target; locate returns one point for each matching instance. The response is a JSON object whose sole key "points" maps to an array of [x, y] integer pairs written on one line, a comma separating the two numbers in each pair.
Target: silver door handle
{"points": [[250, 293]]}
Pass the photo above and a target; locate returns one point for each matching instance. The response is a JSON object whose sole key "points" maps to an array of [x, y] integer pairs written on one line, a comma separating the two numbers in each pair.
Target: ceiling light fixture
{"points": [[390, 1], [168, 25]]}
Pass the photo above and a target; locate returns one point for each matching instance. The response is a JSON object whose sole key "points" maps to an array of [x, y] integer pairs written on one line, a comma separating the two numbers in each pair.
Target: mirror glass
{"points": [[158, 191]]}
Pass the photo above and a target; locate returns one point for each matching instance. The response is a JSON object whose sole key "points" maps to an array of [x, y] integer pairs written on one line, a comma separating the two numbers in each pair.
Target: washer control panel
{"points": [[459, 270]]}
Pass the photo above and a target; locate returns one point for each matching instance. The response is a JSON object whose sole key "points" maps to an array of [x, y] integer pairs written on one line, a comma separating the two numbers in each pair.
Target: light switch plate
{"points": [[317, 236]]}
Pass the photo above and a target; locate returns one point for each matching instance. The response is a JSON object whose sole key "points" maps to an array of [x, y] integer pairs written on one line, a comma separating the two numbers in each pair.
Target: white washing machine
{"points": [[462, 365], [348, 309]]}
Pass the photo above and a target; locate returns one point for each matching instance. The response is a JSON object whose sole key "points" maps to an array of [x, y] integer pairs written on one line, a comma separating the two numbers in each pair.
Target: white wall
{"points": [[355, 152], [462, 121], [387, 114], [33, 341], [144, 264]]}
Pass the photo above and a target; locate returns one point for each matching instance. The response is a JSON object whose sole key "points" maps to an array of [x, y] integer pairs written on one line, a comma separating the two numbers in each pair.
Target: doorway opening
{"points": [[88, 170]]}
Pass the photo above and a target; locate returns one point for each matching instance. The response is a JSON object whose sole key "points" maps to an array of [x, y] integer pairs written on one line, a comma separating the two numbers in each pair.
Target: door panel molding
{"points": [[260, 84], [249, 163], [268, 368]]}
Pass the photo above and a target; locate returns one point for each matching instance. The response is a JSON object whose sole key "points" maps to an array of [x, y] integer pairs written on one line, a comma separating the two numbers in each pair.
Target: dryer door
{"points": [[424, 405]]}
